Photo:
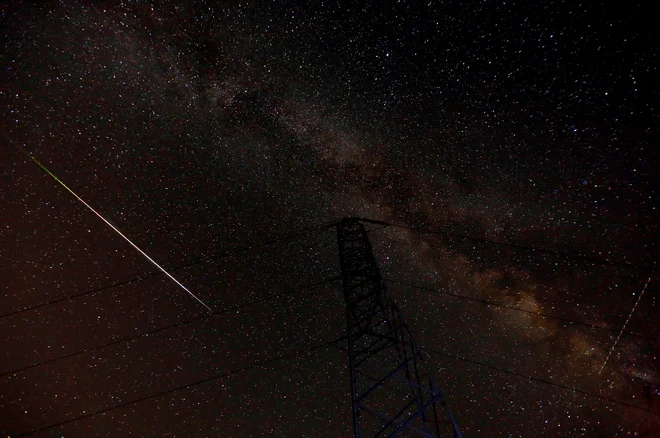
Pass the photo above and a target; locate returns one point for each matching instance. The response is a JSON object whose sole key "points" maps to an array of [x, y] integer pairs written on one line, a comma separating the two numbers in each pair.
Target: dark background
{"points": [[204, 128]]}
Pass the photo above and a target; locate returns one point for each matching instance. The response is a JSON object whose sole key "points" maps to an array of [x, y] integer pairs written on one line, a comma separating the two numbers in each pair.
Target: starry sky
{"points": [[221, 136]]}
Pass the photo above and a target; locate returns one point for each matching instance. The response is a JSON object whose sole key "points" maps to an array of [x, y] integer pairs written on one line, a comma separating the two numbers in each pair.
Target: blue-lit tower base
{"points": [[392, 394]]}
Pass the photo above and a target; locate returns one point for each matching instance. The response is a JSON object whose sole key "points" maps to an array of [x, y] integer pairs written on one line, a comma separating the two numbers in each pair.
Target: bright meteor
{"points": [[109, 224]]}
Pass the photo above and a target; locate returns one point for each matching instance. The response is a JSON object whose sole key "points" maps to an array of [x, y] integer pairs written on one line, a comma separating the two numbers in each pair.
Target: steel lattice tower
{"points": [[392, 394]]}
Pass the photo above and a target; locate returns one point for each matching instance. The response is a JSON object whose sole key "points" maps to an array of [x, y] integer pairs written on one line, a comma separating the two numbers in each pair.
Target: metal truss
{"points": [[391, 393]]}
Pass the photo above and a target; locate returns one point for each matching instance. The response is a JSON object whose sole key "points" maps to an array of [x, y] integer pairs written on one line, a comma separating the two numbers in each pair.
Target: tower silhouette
{"points": [[391, 392]]}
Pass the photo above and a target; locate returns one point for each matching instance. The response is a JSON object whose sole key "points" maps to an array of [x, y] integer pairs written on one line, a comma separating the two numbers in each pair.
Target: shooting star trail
{"points": [[624, 326], [109, 224]]}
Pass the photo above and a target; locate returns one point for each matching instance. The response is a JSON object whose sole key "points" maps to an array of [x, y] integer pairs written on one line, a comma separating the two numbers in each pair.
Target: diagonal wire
{"points": [[587, 258], [171, 326], [531, 312], [137, 278], [186, 386], [539, 380], [98, 289]]}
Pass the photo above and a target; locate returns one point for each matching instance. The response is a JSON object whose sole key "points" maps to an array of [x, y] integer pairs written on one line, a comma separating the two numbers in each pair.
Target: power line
{"points": [[191, 320], [536, 379], [137, 278], [171, 326], [189, 385], [587, 258], [539, 380], [491, 303], [98, 289]]}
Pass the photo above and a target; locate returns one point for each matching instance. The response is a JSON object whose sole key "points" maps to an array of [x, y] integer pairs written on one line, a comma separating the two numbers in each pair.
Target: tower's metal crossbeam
{"points": [[391, 393]]}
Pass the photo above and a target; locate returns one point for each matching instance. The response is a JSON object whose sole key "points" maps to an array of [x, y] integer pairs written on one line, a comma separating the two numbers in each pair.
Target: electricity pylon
{"points": [[392, 394]]}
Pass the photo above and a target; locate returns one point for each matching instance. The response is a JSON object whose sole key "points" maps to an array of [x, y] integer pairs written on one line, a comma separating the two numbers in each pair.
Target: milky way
{"points": [[202, 131]]}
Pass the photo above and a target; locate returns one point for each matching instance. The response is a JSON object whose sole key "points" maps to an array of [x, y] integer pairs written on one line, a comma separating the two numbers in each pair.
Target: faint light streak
{"points": [[624, 325]]}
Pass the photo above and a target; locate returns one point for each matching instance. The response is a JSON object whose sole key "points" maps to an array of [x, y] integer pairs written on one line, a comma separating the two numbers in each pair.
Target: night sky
{"points": [[207, 131]]}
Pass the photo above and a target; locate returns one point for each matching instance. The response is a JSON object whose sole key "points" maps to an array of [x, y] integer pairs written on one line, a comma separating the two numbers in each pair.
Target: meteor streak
{"points": [[624, 325], [109, 224]]}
